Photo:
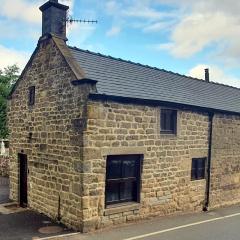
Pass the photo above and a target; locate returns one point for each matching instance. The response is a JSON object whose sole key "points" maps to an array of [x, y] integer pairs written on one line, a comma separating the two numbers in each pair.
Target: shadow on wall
{"points": [[4, 158]]}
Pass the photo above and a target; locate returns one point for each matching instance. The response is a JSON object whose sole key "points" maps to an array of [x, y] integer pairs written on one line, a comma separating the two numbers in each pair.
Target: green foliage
{"points": [[8, 78]]}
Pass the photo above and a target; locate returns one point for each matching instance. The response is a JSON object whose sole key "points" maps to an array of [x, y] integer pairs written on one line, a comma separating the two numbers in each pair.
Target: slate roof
{"points": [[117, 77]]}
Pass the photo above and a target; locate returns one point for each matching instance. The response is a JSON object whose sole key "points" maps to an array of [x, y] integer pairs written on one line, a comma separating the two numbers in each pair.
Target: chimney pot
{"points": [[207, 79]]}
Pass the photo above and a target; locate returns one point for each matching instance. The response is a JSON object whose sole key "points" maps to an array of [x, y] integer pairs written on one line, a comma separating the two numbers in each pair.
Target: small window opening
{"points": [[31, 97], [168, 121], [198, 168]]}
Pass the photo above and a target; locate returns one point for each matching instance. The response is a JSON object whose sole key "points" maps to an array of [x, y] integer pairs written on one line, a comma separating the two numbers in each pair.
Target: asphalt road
{"points": [[221, 224]]}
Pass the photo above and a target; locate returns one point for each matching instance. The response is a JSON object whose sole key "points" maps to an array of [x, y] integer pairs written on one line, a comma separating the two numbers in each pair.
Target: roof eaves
{"points": [[98, 96], [84, 81]]}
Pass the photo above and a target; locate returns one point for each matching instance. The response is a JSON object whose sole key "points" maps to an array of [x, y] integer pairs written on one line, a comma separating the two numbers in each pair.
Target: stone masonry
{"points": [[56, 122], [166, 185], [225, 183], [67, 137], [4, 166]]}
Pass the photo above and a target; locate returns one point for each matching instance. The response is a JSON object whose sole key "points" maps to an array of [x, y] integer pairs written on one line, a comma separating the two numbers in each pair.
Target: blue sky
{"points": [[183, 36]]}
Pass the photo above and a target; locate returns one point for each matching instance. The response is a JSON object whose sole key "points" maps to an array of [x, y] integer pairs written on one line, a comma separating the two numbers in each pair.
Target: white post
{"points": [[3, 149]]}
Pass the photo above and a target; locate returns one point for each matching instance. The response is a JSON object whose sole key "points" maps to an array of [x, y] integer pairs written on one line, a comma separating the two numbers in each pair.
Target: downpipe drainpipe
{"points": [[208, 180]]}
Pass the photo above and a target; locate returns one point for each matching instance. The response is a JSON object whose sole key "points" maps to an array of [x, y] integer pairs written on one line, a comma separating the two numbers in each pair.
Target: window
{"points": [[122, 179], [198, 168], [168, 121], [31, 96]]}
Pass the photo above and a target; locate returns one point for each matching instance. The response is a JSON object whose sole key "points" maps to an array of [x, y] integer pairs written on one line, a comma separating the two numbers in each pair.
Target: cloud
{"points": [[216, 75], [21, 10], [25, 10], [140, 10], [158, 26], [114, 31], [79, 33], [136, 14], [16, 15], [69, 3], [11, 56], [198, 31], [206, 24]]}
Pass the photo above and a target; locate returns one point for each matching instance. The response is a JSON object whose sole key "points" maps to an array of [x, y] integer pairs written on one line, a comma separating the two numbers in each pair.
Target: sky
{"points": [[183, 36]]}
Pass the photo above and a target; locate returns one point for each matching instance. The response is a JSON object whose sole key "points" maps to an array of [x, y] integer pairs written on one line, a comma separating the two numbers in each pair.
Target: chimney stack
{"points": [[207, 79], [54, 17]]}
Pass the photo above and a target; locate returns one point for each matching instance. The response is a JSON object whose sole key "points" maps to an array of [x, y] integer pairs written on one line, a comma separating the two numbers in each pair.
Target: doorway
{"points": [[23, 179]]}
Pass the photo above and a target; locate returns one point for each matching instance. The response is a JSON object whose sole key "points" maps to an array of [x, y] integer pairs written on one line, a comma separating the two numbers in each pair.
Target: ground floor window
{"points": [[198, 168], [123, 179]]}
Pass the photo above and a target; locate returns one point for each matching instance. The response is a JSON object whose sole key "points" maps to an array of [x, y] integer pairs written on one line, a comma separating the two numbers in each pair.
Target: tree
{"points": [[8, 78]]}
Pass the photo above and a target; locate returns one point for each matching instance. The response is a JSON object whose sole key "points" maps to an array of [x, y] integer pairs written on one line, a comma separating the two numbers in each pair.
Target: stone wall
{"points": [[71, 137], [225, 182], [166, 185], [56, 122], [4, 166]]}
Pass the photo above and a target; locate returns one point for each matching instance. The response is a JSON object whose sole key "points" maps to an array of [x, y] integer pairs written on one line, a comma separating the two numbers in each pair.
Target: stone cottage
{"points": [[97, 141]]}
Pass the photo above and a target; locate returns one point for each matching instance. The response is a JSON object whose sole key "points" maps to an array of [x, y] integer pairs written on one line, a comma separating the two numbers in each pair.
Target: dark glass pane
{"points": [[163, 120], [168, 120], [193, 174], [173, 120], [201, 163], [127, 191], [194, 163], [113, 169], [198, 168], [31, 95], [129, 168], [201, 173], [112, 192]]}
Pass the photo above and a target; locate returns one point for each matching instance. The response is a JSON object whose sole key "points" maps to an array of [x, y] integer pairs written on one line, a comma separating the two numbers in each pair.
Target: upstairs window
{"points": [[122, 179], [198, 168], [31, 96], [168, 121]]}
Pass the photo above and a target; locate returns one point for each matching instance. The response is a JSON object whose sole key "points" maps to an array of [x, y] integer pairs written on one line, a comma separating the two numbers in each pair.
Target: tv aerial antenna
{"points": [[71, 20]]}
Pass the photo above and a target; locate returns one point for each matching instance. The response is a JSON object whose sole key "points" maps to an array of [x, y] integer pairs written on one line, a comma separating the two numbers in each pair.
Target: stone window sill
{"points": [[198, 180], [120, 208], [164, 135]]}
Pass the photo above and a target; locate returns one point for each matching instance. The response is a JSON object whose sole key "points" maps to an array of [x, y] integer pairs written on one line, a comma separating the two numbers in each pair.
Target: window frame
{"points": [[119, 181], [31, 95], [173, 130], [198, 172]]}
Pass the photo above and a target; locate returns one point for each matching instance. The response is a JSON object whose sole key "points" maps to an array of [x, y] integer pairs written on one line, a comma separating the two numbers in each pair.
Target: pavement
{"points": [[21, 223], [4, 190]]}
